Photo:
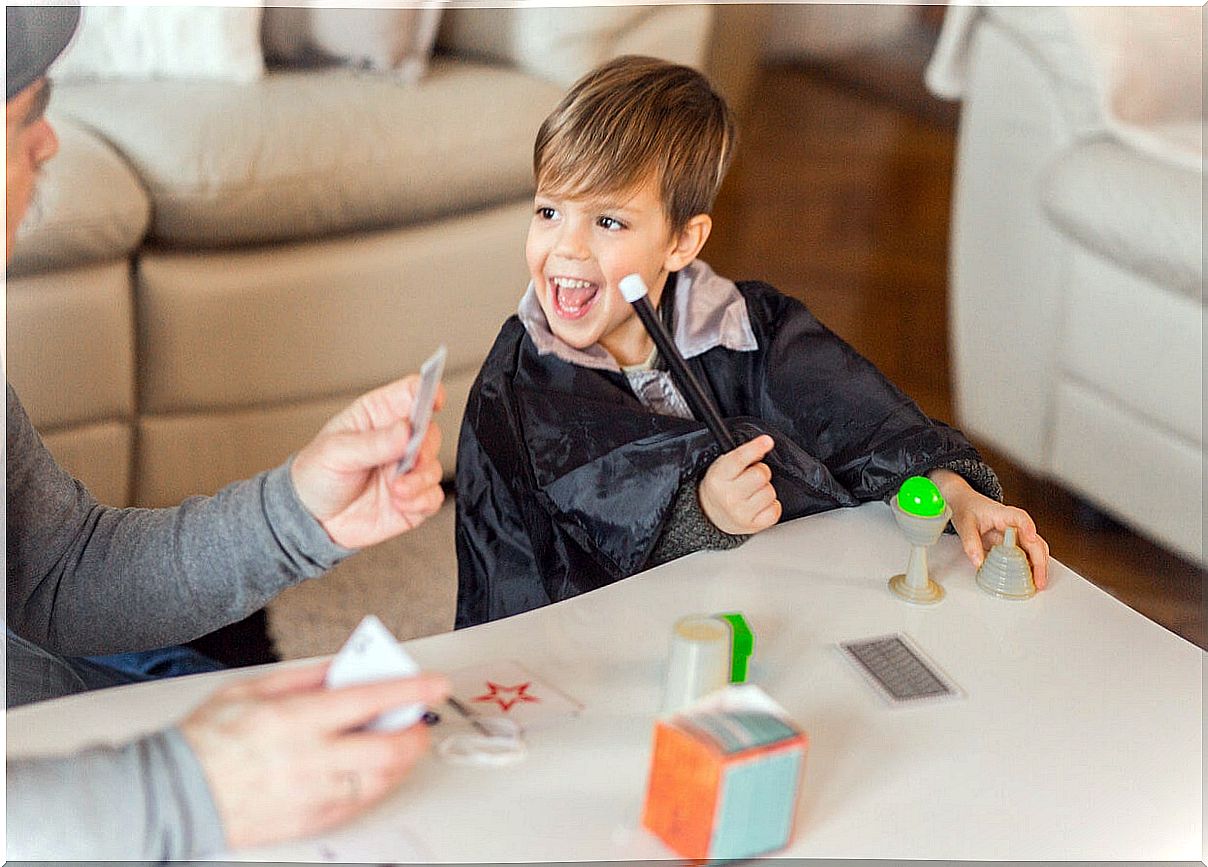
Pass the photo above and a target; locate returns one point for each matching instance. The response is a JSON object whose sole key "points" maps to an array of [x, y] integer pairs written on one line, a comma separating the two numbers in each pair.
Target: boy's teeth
{"points": [[573, 294]]}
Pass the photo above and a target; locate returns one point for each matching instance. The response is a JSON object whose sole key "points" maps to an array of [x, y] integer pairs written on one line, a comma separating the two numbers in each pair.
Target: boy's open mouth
{"points": [[572, 297]]}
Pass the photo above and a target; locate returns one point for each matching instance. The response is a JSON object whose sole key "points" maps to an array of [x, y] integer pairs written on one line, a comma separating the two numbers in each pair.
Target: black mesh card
{"points": [[897, 669]]}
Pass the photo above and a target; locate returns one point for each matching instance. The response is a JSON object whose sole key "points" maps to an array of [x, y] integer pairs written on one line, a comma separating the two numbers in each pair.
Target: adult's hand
{"points": [[283, 756], [346, 475]]}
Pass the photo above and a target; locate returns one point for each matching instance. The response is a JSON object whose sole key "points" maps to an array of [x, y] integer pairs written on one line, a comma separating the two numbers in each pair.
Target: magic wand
{"points": [[633, 288]]}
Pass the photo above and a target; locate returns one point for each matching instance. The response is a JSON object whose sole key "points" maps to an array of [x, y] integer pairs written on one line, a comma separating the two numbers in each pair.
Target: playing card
{"points": [[899, 672], [372, 654], [421, 411], [508, 690]]}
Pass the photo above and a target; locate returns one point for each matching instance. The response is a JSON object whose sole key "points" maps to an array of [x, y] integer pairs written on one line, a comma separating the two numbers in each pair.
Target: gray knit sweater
{"points": [[88, 579]]}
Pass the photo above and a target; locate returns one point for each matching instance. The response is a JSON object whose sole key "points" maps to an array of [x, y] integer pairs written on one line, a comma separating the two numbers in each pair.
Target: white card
{"points": [[372, 654], [506, 689], [421, 410]]}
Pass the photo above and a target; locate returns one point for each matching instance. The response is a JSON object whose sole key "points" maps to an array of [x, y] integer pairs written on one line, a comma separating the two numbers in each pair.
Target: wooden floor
{"points": [[840, 196]]}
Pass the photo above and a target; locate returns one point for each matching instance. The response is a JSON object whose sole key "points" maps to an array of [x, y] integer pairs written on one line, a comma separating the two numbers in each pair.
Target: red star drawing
{"points": [[498, 694]]}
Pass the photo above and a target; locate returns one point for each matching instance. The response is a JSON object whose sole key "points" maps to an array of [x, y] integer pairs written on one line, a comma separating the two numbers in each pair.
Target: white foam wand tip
{"points": [[633, 287]]}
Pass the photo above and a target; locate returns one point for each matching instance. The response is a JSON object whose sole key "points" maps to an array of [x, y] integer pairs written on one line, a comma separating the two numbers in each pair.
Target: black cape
{"points": [[564, 479]]}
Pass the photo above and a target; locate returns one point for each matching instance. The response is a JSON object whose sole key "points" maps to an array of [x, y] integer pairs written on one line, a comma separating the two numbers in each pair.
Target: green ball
{"points": [[919, 496]]}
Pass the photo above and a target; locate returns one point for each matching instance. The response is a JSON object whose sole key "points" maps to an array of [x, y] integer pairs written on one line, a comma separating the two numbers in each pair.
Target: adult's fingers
{"points": [[381, 407], [398, 396], [416, 509], [420, 479], [430, 447], [731, 465], [366, 449], [427, 469], [393, 400], [365, 767], [359, 778], [280, 682], [353, 706], [354, 771], [386, 756]]}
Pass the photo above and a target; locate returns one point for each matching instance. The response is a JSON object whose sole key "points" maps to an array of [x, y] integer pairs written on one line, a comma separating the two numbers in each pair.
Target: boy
{"points": [[579, 463]]}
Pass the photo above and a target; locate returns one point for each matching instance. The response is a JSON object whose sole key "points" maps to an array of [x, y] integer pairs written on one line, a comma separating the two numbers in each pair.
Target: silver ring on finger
{"points": [[350, 786]]}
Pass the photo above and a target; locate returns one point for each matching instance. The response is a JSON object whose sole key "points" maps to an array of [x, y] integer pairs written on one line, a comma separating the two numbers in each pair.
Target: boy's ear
{"points": [[688, 243]]}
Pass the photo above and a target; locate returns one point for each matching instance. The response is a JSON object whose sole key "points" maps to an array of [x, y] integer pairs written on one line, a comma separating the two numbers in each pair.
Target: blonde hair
{"points": [[633, 118]]}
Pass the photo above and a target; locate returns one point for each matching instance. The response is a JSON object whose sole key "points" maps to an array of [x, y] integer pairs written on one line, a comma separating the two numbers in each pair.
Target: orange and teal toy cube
{"points": [[724, 783]]}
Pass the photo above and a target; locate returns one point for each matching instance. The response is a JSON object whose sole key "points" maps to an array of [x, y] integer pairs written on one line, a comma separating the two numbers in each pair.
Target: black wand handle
{"points": [[698, 399]]}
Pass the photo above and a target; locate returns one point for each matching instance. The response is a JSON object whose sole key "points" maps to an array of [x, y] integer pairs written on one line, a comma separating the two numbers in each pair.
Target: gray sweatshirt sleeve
{"points": [[145, 800], [688, 529], [84, 578]]}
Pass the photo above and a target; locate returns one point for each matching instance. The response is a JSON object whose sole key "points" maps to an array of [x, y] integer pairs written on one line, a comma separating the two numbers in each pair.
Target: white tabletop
{"points": [[1079, 735]]}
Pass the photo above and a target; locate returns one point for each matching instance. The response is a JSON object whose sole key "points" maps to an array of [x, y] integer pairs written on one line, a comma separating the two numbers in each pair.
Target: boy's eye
{"points": [[610, 224], [546, 213]]}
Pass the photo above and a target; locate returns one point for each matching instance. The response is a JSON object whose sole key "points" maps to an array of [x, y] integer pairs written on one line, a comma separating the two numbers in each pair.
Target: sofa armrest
{"points": [[562, 44], [1142, 213], [1007, 262], [1044, 35], [1134, 73]]}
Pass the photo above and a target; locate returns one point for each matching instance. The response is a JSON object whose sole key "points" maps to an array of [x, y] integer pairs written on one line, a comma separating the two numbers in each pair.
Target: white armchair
{"points": [[1077, 251]]}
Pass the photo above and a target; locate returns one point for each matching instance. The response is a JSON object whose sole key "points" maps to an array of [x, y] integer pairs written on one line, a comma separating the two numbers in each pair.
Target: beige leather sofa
{"points": [[1077, 251], [215, 269]]}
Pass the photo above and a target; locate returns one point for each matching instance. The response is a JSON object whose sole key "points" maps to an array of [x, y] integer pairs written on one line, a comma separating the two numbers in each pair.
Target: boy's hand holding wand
{"points": [[736, 493]]}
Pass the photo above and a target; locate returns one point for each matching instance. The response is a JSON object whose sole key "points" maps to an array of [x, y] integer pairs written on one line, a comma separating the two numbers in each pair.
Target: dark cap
{"points": [[34, 36]]}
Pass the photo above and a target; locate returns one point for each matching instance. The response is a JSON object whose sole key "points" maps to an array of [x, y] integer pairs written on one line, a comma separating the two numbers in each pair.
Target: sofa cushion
{"points": [[306, 154], [236, 329], [89, 207], [143, 42], [397, 41], [1125, 205], [562, 44], [1135, 342], [186, 453], [71, 344], [101, 455], [1151, 478]]}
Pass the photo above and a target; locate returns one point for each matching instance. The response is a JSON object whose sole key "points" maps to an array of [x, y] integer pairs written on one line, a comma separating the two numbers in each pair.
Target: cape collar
{"points": [[709, 312]]}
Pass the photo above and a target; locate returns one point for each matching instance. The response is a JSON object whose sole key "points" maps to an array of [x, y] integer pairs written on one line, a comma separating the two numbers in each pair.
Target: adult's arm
{"points": [[147, 799], [84, 578], [264, 759]]}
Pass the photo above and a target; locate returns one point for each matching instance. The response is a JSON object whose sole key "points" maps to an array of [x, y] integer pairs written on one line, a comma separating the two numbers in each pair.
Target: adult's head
{"points": [[34, 37]]}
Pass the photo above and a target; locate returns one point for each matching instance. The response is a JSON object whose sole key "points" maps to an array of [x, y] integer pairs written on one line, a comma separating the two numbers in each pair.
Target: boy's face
{"points": [[579, 249]]}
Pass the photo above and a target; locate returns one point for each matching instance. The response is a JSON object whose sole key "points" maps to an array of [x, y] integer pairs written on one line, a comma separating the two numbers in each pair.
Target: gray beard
{"points": [[34, 215]]}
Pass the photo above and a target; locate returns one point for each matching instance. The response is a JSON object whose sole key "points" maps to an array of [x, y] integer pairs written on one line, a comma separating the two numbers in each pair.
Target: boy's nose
{"points": [[572, 243]]}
